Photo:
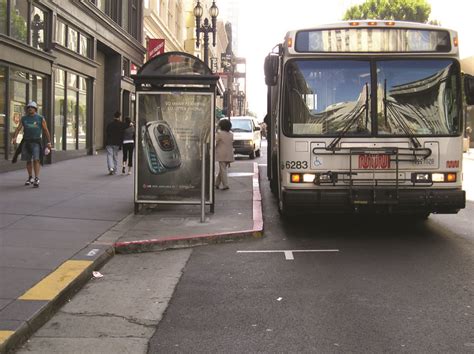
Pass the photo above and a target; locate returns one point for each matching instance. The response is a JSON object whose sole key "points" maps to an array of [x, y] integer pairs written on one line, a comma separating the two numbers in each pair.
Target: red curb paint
{"points": [[169, 242]]}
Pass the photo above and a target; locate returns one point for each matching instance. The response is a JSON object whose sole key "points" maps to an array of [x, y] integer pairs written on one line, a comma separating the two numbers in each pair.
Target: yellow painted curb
{"points": [[4, 335], [53, 284]]}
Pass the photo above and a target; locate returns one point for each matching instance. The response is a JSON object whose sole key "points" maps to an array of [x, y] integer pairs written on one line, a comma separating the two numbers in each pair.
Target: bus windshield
{"points": [[333, 97]]}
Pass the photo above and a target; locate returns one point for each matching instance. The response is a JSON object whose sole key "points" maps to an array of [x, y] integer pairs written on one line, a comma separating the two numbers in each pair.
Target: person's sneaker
{"points": [[36, 183], [123, 169], [111, 171], [29, 181], [225, 188]]}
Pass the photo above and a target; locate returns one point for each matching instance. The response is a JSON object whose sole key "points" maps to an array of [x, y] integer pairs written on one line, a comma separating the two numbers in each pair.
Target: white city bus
{"points": [[367, 116]]}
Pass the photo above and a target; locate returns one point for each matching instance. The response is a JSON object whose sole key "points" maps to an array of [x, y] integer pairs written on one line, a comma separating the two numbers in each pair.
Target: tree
{"points": [[219, 113], [400, 10]]}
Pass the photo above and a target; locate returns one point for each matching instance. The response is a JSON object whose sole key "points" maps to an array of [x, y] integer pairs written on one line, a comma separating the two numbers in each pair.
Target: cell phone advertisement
{"points": [[171, 130]]}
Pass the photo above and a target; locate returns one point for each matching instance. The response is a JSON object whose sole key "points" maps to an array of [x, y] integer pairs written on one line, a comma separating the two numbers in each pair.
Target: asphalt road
{"points": [[391, 286], [330, 285]]}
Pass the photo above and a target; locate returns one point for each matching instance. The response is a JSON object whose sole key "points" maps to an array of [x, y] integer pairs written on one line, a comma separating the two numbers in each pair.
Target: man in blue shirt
{"points": [[33, 126]]}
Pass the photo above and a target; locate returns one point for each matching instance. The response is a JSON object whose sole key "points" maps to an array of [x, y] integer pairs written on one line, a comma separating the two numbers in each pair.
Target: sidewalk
{"points": [[469, 154], [53, 237]]}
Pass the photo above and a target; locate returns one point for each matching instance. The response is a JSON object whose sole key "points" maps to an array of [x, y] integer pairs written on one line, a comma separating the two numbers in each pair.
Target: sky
{"points": [[264, 23]]}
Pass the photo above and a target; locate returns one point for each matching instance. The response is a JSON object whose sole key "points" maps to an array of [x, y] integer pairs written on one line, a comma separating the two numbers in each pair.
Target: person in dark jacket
{"points": [[33, 126], [113, 142], [128, 145]]}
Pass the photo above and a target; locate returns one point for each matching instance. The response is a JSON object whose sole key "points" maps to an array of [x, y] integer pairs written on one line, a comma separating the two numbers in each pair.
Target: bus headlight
{"points": [[438, 177], [449, 177], [302, 177], [308, 177]]}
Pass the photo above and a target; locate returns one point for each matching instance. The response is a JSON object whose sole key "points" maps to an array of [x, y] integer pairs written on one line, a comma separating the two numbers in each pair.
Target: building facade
{"points": [[173, 22], [74, 58]]}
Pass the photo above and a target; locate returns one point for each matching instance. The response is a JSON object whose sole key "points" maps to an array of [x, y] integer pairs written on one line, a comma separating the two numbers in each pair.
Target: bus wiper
{"points": [[355, 116], [391, 106]]}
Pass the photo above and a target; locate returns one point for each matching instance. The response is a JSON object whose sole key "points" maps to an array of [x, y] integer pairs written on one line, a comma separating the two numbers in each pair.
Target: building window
{"points": [[3, 17], [82, 112], [19, 87], [73, 39], [37, 28], [125, 13], [59, 92], [70, 109], [61, 33], [19, 20], [102, 5], [134, 18], [84, 45], [26, 22], [125, 67]]}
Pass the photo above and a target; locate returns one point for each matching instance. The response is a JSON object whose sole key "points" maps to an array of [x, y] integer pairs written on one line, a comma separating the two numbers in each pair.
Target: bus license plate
{"points": [[374, 162]]}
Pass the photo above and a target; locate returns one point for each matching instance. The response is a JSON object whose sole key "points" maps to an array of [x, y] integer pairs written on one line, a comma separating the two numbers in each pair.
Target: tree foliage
{"points": [[399, 10]]}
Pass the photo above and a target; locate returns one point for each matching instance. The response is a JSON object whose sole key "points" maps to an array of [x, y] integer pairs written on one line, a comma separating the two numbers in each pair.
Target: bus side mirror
{"points": [[271, 69], [469, 89]]}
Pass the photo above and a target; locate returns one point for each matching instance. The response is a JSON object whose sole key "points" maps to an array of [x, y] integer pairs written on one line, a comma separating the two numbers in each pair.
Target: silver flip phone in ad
{"points": [[159, 147]]}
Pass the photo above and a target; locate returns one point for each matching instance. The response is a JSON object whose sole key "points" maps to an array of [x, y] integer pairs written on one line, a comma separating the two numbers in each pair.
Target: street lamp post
{"points": [[241, 98], [206, 27]]}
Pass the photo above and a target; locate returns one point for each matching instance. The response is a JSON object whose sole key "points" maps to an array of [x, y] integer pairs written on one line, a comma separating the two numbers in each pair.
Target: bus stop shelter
{"points": [[175, 113]]}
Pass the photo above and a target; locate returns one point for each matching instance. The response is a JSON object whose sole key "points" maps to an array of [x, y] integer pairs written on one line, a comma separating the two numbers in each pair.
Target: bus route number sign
{"points": [[374, 162]]}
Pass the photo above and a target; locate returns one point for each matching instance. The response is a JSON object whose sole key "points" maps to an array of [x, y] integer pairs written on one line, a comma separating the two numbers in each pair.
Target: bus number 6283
{"points": [[296, 165]]}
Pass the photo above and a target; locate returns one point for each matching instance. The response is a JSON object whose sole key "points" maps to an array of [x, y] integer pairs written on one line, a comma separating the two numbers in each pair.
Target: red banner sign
{"points": [[155, 46]]}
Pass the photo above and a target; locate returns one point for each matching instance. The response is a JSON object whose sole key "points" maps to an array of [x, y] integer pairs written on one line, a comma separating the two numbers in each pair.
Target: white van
{"points": [[247, 136]]}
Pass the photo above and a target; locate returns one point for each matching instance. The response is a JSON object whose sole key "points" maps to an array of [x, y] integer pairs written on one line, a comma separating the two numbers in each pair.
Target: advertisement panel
{"points": [[171, 130]]}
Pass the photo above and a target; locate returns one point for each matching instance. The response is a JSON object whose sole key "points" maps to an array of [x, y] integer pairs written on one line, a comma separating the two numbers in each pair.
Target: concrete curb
{"points": [[152, 245], [40, 317]]}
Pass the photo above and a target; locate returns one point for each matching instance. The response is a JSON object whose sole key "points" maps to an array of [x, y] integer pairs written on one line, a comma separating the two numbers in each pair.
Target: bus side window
{"points": [[469, 89]]}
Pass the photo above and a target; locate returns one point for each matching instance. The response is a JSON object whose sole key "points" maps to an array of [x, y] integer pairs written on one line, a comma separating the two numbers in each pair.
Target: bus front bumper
{"points": [[389, 201]]}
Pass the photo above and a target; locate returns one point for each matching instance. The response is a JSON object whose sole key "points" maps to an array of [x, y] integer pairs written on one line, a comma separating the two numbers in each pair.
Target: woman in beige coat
{"points": [[224, 151]]}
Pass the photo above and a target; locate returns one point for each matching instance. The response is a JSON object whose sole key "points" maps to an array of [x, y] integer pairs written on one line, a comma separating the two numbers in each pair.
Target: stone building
{"points": [[75, 58]]}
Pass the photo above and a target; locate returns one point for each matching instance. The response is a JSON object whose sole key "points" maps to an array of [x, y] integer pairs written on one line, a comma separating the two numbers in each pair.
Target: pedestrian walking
{"points": [[224, 151], [31, 147], [128, 145], [113, 142]]}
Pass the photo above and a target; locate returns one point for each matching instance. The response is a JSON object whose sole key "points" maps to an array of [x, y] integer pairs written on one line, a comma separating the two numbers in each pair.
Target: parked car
{"points": [[247, 136]]}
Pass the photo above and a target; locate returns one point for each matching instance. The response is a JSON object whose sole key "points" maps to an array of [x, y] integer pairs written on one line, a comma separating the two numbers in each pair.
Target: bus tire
{"points": [[274, 178], [252, 155], [284, 212]]}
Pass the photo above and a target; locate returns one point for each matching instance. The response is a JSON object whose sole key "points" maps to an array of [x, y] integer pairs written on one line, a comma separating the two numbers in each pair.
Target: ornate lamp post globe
{"points": [[206, 28], [198, 11]]}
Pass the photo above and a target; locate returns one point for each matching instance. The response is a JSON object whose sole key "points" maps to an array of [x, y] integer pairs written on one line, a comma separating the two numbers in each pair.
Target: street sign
{"points": [[214, 65]]}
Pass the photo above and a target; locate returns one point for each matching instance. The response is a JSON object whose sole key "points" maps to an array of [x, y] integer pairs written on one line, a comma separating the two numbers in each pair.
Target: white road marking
{"points": [[288, 253], [93, 252], [239, 174]]}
